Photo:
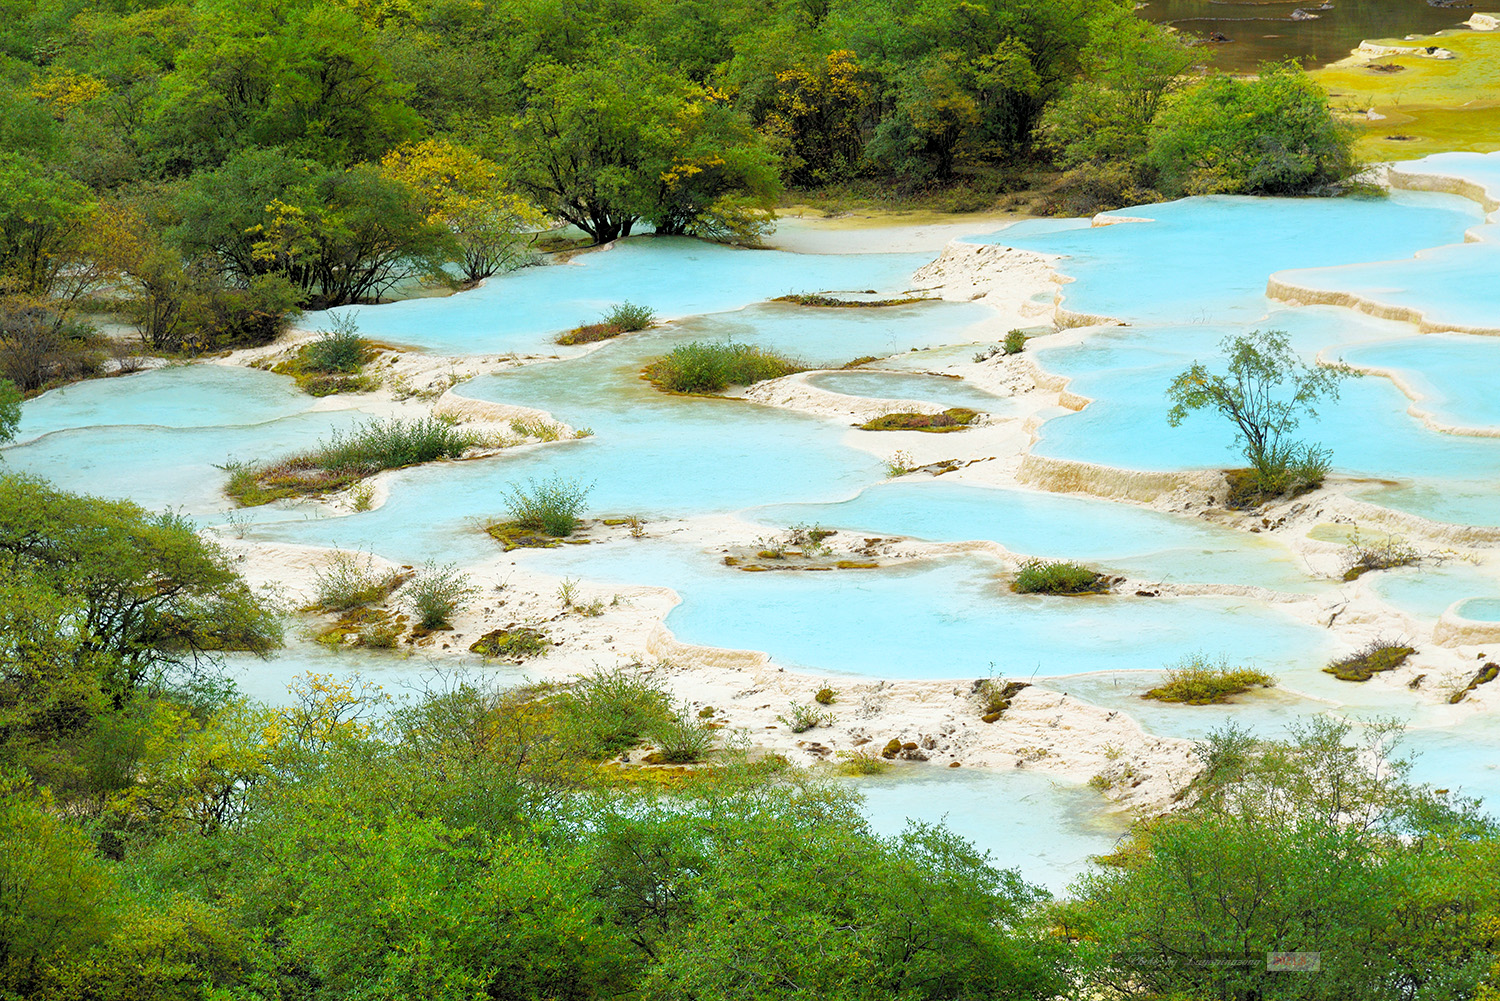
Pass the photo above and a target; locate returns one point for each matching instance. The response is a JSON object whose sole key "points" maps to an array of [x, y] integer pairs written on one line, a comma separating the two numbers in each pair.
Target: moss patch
{"points": [[515, 643], [591, 332], [1483, 676], [1373, 659], [371, 628], [510, 535], [995, 695], [952, 419], [830, 301]]}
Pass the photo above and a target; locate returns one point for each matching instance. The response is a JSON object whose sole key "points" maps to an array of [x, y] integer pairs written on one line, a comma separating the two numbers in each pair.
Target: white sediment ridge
{"points": [[1045, 728]]}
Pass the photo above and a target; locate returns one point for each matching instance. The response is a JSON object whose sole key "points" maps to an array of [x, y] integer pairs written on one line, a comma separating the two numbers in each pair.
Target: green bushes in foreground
{"points": [[701, 367], [346, 458]]}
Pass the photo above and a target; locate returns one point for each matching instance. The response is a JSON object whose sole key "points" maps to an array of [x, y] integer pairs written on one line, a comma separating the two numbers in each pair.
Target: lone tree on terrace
{"points": [[1266, 392]]}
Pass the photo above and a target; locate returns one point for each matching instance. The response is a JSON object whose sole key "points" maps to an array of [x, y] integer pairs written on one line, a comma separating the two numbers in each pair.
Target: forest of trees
{"points": [[208, 168]]}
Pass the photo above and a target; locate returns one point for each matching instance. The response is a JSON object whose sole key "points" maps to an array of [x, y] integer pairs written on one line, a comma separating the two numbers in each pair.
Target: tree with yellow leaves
{"points": [[492, 227]]}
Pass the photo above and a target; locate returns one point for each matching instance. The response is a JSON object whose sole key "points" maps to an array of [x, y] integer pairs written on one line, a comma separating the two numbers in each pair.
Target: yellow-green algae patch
{"points": [[1429, 105]]}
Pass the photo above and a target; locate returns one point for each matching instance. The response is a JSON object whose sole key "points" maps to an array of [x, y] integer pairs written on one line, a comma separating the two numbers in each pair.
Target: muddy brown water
{"points": [[1258, 32]]}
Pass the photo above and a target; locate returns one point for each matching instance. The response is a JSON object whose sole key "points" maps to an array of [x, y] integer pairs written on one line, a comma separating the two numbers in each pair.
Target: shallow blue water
{"points": [[923, 388], [1206, 260], [525, 310], [942, 618], [1045, 828], [1453, 373], [1143, 543]]}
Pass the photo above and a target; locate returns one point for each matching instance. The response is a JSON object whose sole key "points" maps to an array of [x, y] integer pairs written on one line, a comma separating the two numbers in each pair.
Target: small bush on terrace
{"points": [[350, 580], [629, 317], [1378, 656], [551, 506], [1362, 557], [338, 349], [1044, 577], [952, 419], [391, 444], [1015, 342], [347, 457], [699, 367], [437, 594], [626, 318], [1198, 681]]}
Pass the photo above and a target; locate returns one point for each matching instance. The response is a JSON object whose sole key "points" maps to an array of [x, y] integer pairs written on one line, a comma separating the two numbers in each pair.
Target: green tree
{"points": [[1317, 844], [606, 144], [1131, 68], [305, 78], [492, 229], [56, 898], [1272, 135], [151, 592], [10, 410], [338, 236], [1252, 397], [44, 224]]}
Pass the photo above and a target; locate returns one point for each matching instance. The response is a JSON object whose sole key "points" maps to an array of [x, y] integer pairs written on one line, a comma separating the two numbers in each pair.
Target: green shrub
{"points": [[629, 317], [1015, 342], [339, 349], [392, 444], [348, 457], [350, 580], [700, 367], [680, 739], [1044, 577], [1197, 681], [551, 506], [862, 763], [437, 593], [1378, 656], [802, 717], [952, 419], [612, 711], [1273, 134], [826, 696]]}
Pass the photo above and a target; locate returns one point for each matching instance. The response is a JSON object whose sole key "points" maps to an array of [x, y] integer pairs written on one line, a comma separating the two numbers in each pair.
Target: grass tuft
{"points": [[437, 593], [347, 458], [1197, 681], [1044, 577], [551, 506], [702, 368]]}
